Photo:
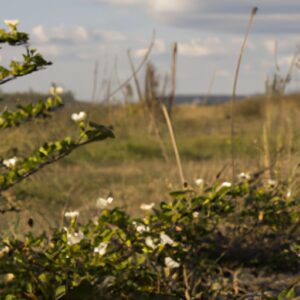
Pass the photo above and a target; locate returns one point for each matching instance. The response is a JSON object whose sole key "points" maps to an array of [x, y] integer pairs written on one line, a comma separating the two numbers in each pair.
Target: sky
{"points": [[75, 34]]}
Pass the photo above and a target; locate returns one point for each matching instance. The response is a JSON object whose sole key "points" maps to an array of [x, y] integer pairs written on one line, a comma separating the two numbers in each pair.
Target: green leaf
{"points": [[181, 193], [287, 294], [60, 292]]}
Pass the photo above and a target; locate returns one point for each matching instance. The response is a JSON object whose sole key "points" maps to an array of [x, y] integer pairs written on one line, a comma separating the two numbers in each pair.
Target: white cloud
{"points": [[74, 35], [50, 50], [269, 46], [223, 73], [158, 48], [286, 60], [79, 33], [193, 49], [110, 35], [39, 34], [117, 2], [202, 47], [59, 32], [171, 6]]}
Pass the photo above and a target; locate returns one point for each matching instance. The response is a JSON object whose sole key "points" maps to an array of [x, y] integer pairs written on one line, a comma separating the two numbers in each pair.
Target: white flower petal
{"points": [[142, 228], [72, 214], [165, 239], [199, 182], [59, 90], [11, 23], [196, 214], [4, 251], [147, 206], [149, 242], [103, 203], [11, 162], [74, 238], [226, 184], [244, 176], [101, 249], [80, 117], [272, 183], [170, 263]]}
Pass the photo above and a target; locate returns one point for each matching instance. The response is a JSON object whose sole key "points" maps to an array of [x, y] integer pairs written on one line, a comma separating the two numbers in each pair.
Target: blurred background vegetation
{"points": [[135, 167]]}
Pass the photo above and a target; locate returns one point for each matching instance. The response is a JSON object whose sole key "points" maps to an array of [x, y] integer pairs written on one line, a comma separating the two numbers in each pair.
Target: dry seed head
{"points": [[254, 10], [174, 46]]}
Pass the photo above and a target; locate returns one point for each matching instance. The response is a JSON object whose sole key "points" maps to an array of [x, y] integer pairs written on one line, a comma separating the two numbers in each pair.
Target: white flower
{"points": [[72, 214], [196, 214], [102, 202], [11, 23], [199, 182], [4, 251], [142, 228], [101, 249], [165, 239], [80, 117], [52, 90], [226, 184], [59, 90], [10, 163], [147, 206], [271, 183], [56, 90], [244, 176], [74, 238], [289, 193], [170, 263], [149, 242]]}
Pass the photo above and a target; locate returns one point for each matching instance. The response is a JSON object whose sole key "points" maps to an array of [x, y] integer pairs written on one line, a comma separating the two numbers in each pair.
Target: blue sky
{"points": [[75, 34]]}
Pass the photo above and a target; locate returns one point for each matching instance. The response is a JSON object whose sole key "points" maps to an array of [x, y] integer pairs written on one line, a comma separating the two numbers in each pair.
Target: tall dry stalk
{"points": [[164, 89], [277, 68], [95, 81], [173, 78], [137, 84], [174, 144], [140, 66], [281, 122], [150, 112], [125, 90], [233, 98], [210, 86], [266, 149]]}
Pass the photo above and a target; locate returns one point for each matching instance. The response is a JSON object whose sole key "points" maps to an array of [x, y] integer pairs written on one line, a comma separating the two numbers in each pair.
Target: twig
{"points": [[144, 60], [95, 81], [211, 83], [186, 283], [277, 68], [233, 99], [152, 117], [173, 78], [137, 84], [179, 165]]}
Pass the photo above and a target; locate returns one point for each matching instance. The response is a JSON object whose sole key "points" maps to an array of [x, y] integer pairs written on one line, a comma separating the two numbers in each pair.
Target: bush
{"points": [[179, 250]]}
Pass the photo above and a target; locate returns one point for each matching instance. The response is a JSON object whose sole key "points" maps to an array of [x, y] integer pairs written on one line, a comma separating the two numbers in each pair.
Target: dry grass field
{"points": [[132, 166]]}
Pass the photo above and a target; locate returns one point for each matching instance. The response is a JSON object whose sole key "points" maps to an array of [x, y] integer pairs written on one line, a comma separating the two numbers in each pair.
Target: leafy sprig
{"points": [[30, 111], [51, 152], [32, 60]]}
